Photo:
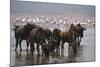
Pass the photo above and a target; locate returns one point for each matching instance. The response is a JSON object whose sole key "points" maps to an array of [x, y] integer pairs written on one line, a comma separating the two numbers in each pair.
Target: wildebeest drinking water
{"points": [[38, 36], [55, 41], [62, 36], [22, 33]]}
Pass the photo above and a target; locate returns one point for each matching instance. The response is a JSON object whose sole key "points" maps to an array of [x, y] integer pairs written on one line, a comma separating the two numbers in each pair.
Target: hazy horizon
{"points": [[33, 8]]}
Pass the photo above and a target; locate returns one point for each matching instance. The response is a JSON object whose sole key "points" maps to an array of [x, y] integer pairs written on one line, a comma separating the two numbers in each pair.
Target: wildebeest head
{"points": [[82, 29], [41, 35], [78, 29], [72, 27], [56, 33], [23, 31], [48, 33], [28, 27]]}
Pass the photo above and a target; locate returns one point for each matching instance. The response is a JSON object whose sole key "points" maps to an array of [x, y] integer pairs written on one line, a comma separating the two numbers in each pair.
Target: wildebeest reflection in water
{"points": [[85, 52]]}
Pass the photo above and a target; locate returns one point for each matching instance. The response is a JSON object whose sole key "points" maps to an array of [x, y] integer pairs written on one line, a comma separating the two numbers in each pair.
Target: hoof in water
{"points": [[20, 49], [26, 49], [62, 47], [38, 55]]}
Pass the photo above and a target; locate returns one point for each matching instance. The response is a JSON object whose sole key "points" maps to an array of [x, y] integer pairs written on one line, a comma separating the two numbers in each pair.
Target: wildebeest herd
{"points": [[47, 39]]}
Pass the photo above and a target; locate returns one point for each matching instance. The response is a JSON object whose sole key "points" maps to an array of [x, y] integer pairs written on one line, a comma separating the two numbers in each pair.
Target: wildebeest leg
{"points": [[27, 44], [20, 44], [62, 45], [78, 39], [42, 51], [69, 46], [42, 48], [38, 49], [32, 47], [69, 51], [16, 44], [74, 48], [62, 52]]}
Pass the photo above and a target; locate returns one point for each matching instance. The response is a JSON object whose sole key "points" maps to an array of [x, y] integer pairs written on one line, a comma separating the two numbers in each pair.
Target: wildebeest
{"points": [[62, 36], [55, 39], [22, 33], [79, 30], [67, 36], [38, 36], [48, 33]]}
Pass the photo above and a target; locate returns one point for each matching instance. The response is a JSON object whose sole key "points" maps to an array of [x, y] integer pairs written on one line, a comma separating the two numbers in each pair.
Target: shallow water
{"points": [[86, 52]]}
